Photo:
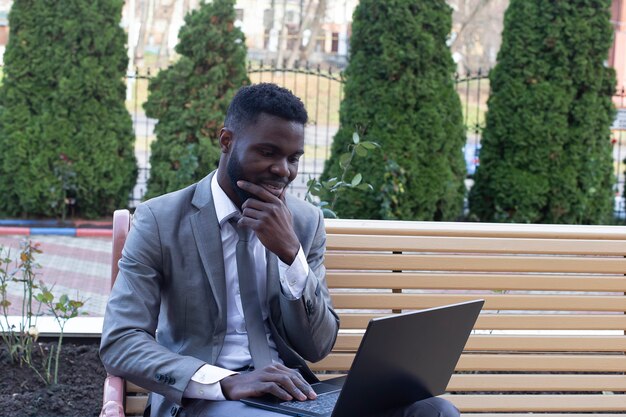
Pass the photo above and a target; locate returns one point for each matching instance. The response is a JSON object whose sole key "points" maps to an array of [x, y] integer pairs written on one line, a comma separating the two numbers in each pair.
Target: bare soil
{"points": [[78, 393]]}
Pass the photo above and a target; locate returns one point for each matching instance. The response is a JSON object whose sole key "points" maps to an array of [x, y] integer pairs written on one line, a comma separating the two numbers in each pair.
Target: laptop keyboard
{"points": [[323, 404]]}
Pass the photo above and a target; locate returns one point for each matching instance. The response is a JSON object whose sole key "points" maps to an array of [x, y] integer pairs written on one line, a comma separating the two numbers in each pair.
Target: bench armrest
{"points": [[113, 397]]}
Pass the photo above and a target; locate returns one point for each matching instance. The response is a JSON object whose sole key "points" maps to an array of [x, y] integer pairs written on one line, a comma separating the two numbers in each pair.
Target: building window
{"points": [[335, 42]]}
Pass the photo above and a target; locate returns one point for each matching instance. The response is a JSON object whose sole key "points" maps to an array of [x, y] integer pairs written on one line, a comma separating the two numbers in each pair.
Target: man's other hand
{"points": [[276, 379]]}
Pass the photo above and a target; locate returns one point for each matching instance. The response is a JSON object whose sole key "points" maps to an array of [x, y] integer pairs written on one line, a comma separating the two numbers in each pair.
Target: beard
{"points": [[235, 173], [234, 170]]}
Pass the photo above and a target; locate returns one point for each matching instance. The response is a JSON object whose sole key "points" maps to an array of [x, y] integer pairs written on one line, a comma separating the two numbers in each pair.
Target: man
{"points": [[181, 320]]}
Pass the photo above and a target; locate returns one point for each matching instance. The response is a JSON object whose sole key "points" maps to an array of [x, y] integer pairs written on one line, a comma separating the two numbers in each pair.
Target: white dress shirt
{"points": [[235, 353]]}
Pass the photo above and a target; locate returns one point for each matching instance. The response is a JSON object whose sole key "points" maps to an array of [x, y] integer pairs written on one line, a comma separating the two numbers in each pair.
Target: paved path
{"points": [[74, 265]]}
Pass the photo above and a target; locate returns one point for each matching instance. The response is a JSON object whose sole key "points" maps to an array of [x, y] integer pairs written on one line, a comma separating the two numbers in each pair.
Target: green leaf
{"points": [[370, 145], [356, 180], [315, 192], [344, 160], [331, 182], [338, 186], [360, 150], [355, 138], [365, 187], [328, 213]]}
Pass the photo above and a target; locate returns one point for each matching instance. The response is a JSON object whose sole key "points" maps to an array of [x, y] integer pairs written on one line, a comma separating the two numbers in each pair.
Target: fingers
{"points": [[260, 192], [270, 218], [278, 380], [287, 381], [299, 383]]}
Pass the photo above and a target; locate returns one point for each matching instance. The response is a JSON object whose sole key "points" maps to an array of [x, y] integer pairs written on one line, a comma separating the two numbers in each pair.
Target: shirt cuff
{"points": [[205, 383], [293, 277]]}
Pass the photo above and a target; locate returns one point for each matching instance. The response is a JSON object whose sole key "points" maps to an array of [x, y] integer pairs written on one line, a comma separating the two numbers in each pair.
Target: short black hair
{"points": [[252, 100]]}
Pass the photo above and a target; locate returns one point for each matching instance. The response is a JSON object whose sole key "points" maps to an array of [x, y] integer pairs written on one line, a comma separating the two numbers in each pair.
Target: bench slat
{"points": [[424, 281], [537, 382], [133, 388], [538, 403], [542, 362], [560, 264], [476, 245], [135, 405], [495, 230], [516, 321], [515, 343], [506, 362], [374, 301]]}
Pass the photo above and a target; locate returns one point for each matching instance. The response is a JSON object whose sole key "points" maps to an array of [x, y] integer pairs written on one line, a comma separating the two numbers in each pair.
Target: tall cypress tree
{"points": [[546, 152], [64, 129], [400, 90], [190, 98]]}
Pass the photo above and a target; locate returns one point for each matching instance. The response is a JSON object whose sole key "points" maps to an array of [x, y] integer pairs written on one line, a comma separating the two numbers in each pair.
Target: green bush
{"points": [[400, 93], [191, 97], [546, 151], [64, 129]]}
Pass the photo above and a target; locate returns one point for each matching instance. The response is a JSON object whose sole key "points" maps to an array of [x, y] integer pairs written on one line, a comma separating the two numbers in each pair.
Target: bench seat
{"points": [[551, 338]]}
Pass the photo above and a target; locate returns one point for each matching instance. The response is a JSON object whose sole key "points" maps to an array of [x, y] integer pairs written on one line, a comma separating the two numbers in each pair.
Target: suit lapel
{"points": [[206, 234]]}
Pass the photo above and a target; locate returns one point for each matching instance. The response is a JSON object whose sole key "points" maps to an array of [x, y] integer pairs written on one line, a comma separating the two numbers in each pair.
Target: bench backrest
{"points": [[553, 322], [553, 326]]}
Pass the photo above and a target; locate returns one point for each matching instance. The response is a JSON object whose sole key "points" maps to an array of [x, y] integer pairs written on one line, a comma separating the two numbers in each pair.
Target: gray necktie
{"points": [[257, 339]]}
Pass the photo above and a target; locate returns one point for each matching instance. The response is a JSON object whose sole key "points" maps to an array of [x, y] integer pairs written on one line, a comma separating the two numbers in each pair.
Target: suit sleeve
{"points": [[128, 347], [310, 323]]}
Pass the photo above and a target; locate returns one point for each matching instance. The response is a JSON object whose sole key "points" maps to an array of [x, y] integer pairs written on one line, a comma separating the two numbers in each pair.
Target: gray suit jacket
{"points": [[166, 315]]}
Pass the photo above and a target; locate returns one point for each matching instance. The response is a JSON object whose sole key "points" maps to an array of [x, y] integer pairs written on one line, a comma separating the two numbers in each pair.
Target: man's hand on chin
{"points": [[276, 379], [269, 217]]}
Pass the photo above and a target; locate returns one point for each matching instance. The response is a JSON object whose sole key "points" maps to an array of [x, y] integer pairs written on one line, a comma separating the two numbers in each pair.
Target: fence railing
{"points": [[618, 140], [321, 90]]}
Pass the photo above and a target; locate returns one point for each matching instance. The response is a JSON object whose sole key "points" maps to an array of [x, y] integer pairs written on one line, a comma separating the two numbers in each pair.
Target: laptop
{"points": [[401, 359]]}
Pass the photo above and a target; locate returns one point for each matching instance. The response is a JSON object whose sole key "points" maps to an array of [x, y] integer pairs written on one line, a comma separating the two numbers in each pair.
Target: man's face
{"points": [[265, 153]]}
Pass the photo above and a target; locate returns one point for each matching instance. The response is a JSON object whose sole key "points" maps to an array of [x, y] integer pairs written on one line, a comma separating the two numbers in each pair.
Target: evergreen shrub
{"points": [[190, 98], [64, 130], [400, 93], [546, 154]]}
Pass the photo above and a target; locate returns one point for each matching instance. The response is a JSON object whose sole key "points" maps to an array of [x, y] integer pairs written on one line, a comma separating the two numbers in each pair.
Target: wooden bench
{"points": [[551, 337]]}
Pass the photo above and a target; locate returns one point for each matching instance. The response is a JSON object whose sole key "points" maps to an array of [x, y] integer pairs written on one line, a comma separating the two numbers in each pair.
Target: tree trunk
{"points": [[305, 24], [164, 53], [316, 25], [467, 19], [282, 37]]}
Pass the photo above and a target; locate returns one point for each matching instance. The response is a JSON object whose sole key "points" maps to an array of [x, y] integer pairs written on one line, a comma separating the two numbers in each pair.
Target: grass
{"points": [[143, 144], [139, 92], [473, 95]]}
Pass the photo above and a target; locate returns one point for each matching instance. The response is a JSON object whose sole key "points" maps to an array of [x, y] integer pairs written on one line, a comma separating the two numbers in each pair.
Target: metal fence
{"points": [[321, 89], [618, 140]]}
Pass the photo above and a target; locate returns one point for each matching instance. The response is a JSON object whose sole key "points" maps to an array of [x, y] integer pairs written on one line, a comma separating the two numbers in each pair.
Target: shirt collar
{"points": [[224, 207]]}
